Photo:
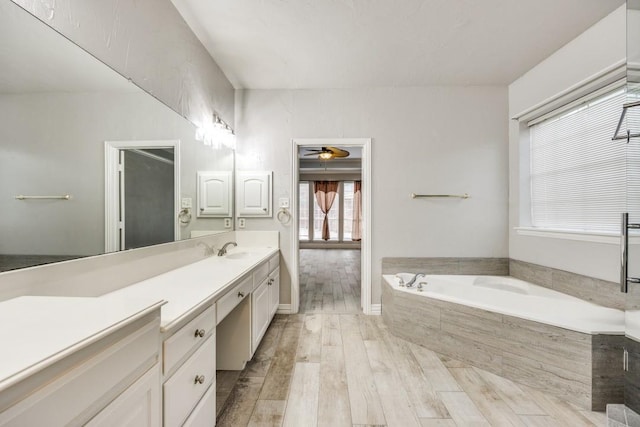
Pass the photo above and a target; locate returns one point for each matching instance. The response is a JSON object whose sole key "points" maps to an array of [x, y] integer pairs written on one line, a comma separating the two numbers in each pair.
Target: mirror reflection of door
{"points": [[146, 197], [142, 190]]}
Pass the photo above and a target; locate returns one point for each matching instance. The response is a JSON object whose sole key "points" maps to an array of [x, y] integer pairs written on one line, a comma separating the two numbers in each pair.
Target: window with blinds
{"points": [[578, 174]]}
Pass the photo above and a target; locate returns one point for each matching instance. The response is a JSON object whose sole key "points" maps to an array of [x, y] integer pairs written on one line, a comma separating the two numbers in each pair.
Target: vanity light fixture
{"points": [[215, 133]]}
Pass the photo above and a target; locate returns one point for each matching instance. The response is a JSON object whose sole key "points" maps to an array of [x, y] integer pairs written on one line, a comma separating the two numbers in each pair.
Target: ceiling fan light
{"points": [[325, 155]]}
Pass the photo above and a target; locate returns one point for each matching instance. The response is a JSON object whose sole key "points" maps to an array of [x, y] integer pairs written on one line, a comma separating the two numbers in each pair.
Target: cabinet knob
{"points": [[240, 294], [199, 333], [264, 209], [199, 379], [270, 282]]}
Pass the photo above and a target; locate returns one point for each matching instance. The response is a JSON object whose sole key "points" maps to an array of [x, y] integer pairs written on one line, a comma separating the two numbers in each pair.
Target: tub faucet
{"points": [[412, 281], [400, 281], [223, 250]]}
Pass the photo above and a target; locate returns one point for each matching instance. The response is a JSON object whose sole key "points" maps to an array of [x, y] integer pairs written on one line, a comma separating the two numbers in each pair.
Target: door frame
{"points": [[365, 247], [112, 186]]}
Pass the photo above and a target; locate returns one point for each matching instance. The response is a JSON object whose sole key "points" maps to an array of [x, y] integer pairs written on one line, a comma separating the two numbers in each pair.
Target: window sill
{"points": [[582, 236]]}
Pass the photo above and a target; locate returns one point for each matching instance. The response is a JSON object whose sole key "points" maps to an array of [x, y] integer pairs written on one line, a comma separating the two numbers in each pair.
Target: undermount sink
{"points": [[237, 255]]}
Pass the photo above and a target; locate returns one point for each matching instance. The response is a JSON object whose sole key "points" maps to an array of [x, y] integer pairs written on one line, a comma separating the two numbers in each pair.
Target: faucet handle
{"points": [[400, 281]]}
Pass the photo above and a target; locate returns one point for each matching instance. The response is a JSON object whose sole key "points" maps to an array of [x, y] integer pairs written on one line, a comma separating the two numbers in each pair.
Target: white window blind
{"points": [[578, 174]]}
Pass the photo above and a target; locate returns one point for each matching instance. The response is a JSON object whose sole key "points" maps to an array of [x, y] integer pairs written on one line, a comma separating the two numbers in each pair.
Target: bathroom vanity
{"points": [[144, 354]]}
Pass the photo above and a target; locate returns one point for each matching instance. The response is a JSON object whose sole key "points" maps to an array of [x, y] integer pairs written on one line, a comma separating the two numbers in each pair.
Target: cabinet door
{"points": [[253, 193], [214, 194], [137, 406], [260, 314], [274, 292]]}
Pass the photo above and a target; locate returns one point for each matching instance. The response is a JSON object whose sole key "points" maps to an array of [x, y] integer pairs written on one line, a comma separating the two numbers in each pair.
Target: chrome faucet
{"points": [[223, 250], [208, 250], [412, 281]]}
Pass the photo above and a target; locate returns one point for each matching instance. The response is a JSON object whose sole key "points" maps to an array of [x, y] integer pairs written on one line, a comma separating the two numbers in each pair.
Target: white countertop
{"points": [[38, 331], [187, 288]]}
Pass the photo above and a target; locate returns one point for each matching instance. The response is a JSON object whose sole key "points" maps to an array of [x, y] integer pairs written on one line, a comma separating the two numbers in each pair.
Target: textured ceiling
{"points": [[268, 44]]}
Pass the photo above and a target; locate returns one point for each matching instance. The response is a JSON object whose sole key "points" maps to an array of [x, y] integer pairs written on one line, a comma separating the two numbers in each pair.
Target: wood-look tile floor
{"points": [[330, 281], [327, 369]]}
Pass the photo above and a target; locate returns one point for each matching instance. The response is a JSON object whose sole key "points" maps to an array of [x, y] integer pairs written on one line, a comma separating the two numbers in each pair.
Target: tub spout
{"points": [[412, 281]]}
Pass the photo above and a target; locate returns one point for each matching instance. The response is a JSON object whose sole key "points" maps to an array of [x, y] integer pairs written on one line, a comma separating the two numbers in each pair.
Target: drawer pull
{"points": [[241, 294], [199, 333], [199, 379]]}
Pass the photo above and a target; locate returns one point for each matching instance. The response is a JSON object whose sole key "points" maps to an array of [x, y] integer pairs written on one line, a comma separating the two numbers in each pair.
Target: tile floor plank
{"points": [[519, 401], [267, 413], [276, 383], [494, 409], [331, 330], [302, 405], [366, 407], [462, 409], [433, 369], [395, 400], [333, 406], [310, 342], [437, 422]]}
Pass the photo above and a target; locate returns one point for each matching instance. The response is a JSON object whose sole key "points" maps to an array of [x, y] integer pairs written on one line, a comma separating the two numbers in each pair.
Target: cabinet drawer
{"points": [[233, 298], [260, 273], [71, 398], [188, 337], [204, 415], [183, 391], [274, 262]]}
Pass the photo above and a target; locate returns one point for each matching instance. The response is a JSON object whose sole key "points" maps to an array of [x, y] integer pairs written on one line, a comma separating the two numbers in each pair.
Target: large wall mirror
{"points": [[63, 114]]}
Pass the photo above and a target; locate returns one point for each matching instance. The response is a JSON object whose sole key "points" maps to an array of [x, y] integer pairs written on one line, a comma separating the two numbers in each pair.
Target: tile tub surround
{"points": [[632, 376], [598, 291], [477, 266], [581, 368]]}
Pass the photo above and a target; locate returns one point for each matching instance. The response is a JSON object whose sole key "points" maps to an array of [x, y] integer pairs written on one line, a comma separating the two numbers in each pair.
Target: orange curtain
{"points": [[356, 225], [325, 192]]}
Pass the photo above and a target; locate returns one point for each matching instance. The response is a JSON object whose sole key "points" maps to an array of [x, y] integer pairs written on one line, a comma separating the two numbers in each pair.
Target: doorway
{"points": [[328, 265], [141, 193]]}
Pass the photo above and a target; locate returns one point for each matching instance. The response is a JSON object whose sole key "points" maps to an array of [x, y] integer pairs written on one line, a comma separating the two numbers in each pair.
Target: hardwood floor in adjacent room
{"points": [[330, 281], [328, 369]]}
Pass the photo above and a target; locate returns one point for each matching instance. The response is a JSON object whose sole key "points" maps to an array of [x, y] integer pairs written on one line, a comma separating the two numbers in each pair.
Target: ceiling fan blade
{"points": [[338, 152]]}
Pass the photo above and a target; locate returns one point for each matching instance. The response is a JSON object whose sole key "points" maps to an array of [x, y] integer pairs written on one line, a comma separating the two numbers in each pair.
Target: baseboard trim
{"points": [[284, 309], [376, 309]]}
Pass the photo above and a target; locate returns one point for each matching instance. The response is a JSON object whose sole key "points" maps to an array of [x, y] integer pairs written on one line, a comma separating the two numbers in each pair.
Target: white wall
{"points": [[425, 140], [148, 42], [597, 49], [53, 143]]}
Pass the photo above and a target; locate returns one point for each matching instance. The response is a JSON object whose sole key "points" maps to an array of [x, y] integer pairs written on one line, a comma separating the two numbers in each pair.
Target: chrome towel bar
{"points": [[624, 255], [65, 197], [422, 196]]}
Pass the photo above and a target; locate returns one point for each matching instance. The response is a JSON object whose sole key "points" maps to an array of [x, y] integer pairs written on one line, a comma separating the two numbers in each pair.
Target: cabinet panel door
{"points": [[260, 314], [253, 193], [214, 194], [137, 406], [204, 415], [274, 292]]}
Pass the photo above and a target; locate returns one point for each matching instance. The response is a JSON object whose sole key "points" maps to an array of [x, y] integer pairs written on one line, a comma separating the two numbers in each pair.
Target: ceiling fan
{"points": [[327, 153]]}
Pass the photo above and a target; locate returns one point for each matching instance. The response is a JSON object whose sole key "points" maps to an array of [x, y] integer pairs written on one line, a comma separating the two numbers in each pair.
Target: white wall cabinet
{"points": [[253, 193], [214, 194]]}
